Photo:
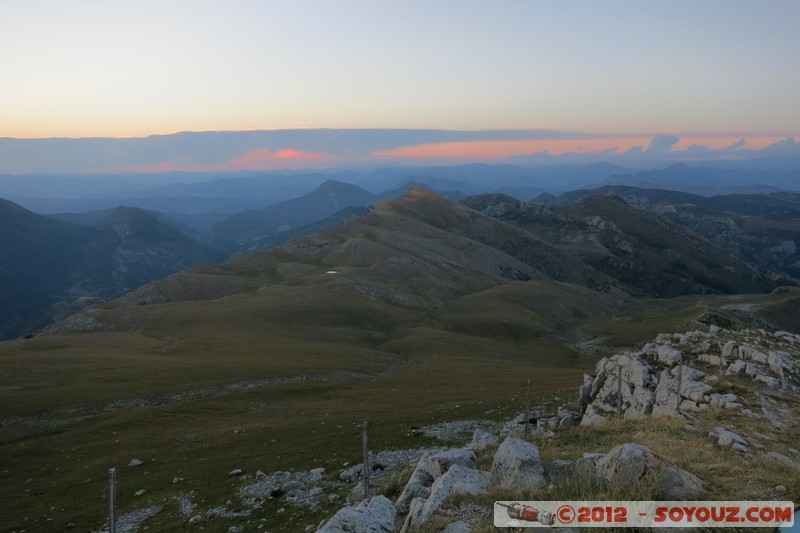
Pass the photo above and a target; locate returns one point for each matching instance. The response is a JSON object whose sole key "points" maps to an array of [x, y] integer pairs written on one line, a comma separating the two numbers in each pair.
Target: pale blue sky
{"points": [[133, 68]]}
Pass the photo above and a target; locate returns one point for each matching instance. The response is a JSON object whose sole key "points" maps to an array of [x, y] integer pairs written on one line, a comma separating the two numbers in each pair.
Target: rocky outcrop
{"points": [[429, 468], [458, 479], [677, 373], [434, 479], [370, 516]]}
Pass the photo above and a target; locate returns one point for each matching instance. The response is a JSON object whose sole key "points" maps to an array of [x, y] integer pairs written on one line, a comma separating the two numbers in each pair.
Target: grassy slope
{"points": [[442, 375], [177, 376], [341, 343]]}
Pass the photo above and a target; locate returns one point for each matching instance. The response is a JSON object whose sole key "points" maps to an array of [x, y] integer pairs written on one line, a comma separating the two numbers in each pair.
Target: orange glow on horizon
{"points": [[501, 149], [556, 147], [257, 159]]}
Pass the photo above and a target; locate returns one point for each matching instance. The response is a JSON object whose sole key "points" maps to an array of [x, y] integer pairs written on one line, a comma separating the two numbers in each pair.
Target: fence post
{"points": [[365, 467], [112, 500], [680, 379], [619, 389], [527, 406]]}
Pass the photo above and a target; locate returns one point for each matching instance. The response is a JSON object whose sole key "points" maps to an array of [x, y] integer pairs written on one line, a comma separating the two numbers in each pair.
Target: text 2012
{"points": [[602, 514]]}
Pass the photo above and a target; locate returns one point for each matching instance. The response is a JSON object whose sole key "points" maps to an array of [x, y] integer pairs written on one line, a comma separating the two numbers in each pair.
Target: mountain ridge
{"points": [[49, 266]]}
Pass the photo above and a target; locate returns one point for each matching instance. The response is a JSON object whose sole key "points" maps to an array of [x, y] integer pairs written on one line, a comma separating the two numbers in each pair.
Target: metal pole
{"points": [[680, 379], [112, 500], [619, 389], [527, 406], [365, 467]]}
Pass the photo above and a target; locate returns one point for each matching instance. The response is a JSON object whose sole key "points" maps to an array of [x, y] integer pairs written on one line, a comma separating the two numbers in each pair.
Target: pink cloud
{"points": [[256, 159]]}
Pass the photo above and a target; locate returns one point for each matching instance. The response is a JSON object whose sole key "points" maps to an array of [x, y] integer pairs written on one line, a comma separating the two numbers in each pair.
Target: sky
{"points": [[569, 76]]}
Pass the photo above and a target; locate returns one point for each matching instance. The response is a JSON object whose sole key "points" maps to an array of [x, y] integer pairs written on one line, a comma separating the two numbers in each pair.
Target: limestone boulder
{"points": [[481, 439], [517, 464], [429, 468], [457, 480], [669, 355], [376, 515], [727, 438], [633, 463], [591, 417]]}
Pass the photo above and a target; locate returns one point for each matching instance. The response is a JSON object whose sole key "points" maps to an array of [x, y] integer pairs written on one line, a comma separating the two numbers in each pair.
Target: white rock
{"points": [[316, 474], [135, 462], [769, 381], [631, 463], [780, 363], [459, 527], [458, 479], [719, 400], [694, 390], [726, 437], [687, 372], [428, 469], [690, 405], [373, 516], [730, 350], [591, 417], [481, 439], [747, 352], [414, 509], [666, 390], [517, 464], [669, 355]]}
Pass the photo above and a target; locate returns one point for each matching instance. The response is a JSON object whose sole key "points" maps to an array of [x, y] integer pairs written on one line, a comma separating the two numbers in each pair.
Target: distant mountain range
{"points": [[421, 251], [50, 268], [711, 181], [763, 229], [643, 253], [654, 243], [237, 231], [255, 229]]}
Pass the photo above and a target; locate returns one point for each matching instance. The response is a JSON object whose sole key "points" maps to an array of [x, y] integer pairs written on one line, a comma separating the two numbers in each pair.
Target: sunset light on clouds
{"points": [[605, 144], [612, 74], [258, 159], [660, 148]]}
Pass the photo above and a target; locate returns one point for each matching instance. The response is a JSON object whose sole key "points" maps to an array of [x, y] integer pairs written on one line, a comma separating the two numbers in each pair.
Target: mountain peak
{"points": [[419, 193], [335, 185]]}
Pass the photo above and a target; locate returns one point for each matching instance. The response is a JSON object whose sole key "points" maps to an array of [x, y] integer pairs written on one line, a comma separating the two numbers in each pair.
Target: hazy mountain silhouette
{"points": [[49, 267], [236, 232], [711, 181]]}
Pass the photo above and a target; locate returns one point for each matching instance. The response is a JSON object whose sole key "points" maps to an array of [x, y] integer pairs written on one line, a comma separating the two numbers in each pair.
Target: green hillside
{"points": [[421, 311]]}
